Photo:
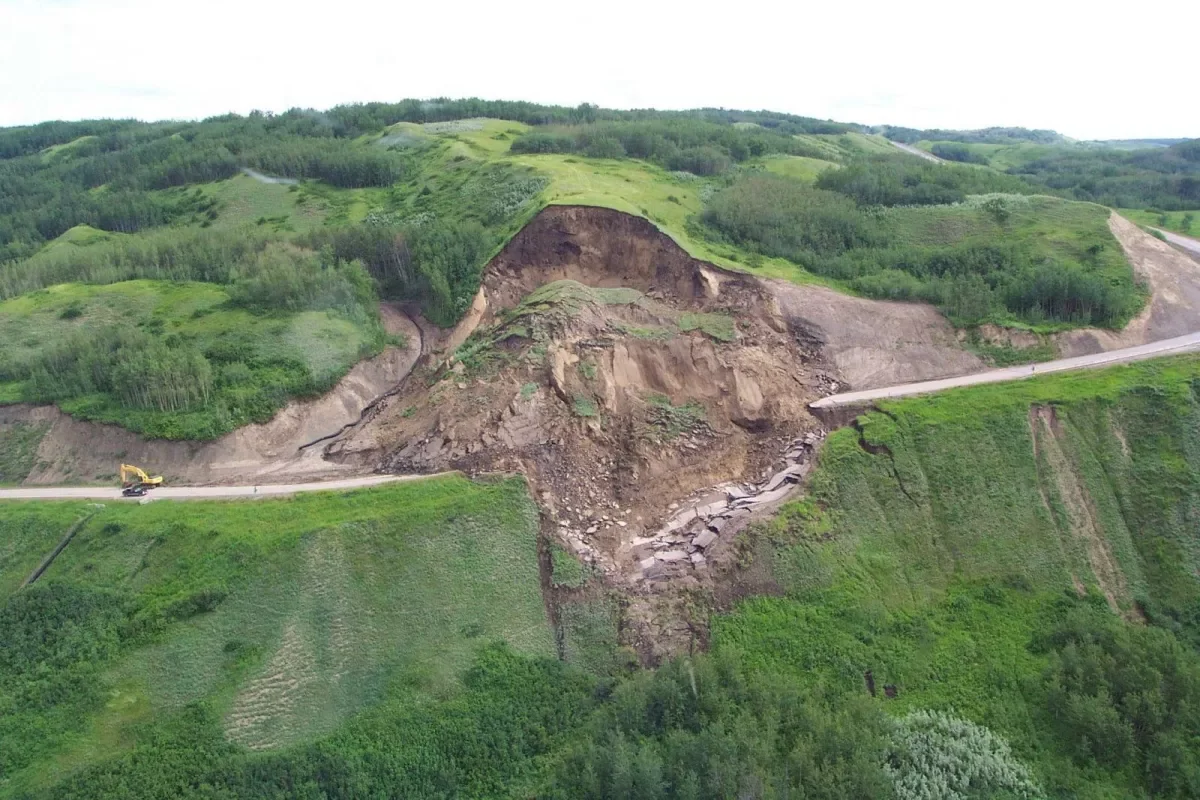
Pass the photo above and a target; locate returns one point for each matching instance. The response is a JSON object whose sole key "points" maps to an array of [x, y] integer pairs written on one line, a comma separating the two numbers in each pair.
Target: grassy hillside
{"points": [[952, 546], [1162, 174], [275, 620], [260, 359], [1182, 222]]}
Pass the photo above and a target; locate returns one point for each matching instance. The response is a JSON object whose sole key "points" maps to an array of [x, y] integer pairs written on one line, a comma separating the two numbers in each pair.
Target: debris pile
{"points": [[693, 529]]}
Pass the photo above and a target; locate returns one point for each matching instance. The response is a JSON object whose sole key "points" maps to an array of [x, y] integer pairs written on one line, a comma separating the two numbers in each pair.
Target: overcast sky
{"points": [[1078, 67]]}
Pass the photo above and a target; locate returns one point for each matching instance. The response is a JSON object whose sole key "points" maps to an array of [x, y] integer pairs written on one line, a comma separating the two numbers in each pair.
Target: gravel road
{"points": [[198, 492], [1179, 344]]}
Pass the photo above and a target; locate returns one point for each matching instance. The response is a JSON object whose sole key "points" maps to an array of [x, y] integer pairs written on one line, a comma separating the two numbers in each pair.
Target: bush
{"points": [[287, 278], [702, 728], [1127, 698], [543, 142], [786, 218], [905, 181], [936, 755]]}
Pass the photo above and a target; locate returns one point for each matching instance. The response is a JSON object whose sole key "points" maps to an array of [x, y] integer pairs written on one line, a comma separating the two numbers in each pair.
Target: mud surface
{"points": [[871, 343], [622, 377]]}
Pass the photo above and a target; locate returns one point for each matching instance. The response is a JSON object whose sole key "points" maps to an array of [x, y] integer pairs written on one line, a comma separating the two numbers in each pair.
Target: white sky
{"points": [[1087, 68]]}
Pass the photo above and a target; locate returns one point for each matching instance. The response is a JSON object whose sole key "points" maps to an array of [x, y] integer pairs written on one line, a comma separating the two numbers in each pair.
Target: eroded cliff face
{"points": [[627, 381]]}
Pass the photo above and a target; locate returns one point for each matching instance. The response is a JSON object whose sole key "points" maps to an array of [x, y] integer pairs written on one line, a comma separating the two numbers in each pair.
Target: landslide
{"points": [[625, 379]]}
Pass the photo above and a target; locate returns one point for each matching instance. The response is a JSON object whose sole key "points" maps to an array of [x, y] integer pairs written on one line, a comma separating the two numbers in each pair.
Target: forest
{"points": [[1112, 705], [856, 225], [1156, 177]]}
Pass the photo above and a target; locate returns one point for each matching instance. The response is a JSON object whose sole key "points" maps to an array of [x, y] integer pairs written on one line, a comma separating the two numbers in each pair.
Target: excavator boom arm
{"points": [[132, 476]]}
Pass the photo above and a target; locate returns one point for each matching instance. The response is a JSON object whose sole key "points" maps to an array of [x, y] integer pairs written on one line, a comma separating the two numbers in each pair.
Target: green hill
{"points": [[283, 214], [281, 619]]}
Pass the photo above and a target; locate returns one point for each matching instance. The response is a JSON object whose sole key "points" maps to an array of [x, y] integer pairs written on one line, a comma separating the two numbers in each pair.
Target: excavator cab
{"points": [[135, 482]]}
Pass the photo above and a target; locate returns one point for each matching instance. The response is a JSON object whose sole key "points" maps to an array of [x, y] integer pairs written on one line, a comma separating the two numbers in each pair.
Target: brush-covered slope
{"points": [[259, 625], [1024, 556]]}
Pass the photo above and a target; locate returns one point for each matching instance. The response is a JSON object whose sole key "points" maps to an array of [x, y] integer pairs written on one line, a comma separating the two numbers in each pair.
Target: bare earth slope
{"points": [[1174, 306], [875, 343]]}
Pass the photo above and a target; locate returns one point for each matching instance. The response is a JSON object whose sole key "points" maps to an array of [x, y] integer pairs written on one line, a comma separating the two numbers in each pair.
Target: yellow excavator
{"points": [[135, 482]]}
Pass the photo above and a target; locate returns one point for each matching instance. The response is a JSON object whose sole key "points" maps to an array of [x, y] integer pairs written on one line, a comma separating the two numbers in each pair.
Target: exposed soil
{"points": [[1174, 306], [615, 411], [872, 343]]}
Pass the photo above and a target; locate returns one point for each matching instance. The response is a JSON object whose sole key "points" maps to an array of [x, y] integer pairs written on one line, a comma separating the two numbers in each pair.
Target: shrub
{"points": [[936, 755]]}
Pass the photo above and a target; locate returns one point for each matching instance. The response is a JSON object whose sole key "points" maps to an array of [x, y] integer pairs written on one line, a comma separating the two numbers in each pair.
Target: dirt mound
{"points": [[72, 451], [873, 343], [1174, 307]]}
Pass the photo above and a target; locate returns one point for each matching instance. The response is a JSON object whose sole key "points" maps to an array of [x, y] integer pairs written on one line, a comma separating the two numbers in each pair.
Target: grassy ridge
{"points": [[343, 595]]}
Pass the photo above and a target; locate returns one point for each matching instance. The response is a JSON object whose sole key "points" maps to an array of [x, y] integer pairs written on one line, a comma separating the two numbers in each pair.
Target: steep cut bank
{"points": [[868, 342], [1173, 309]]}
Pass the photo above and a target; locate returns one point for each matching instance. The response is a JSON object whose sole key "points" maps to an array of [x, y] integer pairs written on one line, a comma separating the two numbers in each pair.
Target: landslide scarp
{"points": [[622, 377]]}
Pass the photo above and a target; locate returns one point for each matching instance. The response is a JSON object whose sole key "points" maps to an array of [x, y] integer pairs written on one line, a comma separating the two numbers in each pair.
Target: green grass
{"points": [[57, 151], [244, 201], [957, 489], [1054, 228], [80, 236], [1005, 355], [1174, 220], [1001, 157], [1071, 233], [716, 326], [671, 420], [799, 168], [936, 548], [347, 593], [567, 570], [635, 187], [585, 407], [296, 350]]}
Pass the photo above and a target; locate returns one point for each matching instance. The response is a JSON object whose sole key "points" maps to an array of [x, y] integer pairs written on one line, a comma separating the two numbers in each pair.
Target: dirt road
{"points": [[1180, 344], [200, 492], [1186, 242], [916, 151]]}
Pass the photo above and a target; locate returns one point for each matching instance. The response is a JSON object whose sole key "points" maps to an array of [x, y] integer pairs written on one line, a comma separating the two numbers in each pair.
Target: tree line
{"points": [[1161, 177], [685, 144]]}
